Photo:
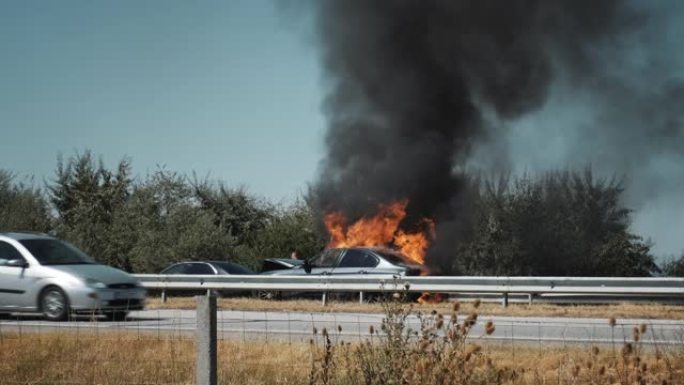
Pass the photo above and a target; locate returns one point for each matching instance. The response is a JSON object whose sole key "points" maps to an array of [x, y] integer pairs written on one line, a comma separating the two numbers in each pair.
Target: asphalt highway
{"points": [[291, 326]]}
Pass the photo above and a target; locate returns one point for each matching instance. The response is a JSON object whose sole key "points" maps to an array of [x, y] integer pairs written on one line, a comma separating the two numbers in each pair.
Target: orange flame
{"points": [[430, 298], [381, 230]]}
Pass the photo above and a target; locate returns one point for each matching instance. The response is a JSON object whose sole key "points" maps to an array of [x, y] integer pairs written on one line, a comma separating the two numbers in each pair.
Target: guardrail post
{"points": [[325, 298], [530, 298], [163, 296], [360, 297], [206, 340], [504, 300]]}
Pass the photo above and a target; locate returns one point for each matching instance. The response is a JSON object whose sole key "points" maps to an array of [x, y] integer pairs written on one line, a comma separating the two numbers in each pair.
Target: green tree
{"points": [[87, 198], [235, 211], [290, 228], [163, 223], [564, 223], [674, 267], [22, 206]]}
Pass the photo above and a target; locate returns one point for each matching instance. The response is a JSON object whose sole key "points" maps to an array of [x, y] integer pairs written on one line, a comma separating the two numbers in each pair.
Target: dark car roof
{"points": [[215, 263]]}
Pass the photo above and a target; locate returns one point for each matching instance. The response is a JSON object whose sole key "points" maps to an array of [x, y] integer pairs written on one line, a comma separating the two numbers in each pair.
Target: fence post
{"points": [[206, 340]]}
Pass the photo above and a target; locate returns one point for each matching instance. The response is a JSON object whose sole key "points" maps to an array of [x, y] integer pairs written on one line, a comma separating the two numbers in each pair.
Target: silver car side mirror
{"points": [[17, 263]]}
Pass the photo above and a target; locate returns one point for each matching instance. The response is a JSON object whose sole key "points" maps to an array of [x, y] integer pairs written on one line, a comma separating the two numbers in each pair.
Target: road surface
{"points": [[292, 326]]}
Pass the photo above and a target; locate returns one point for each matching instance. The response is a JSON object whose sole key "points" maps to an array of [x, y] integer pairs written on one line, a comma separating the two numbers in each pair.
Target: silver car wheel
{"points": [[54, 304]]}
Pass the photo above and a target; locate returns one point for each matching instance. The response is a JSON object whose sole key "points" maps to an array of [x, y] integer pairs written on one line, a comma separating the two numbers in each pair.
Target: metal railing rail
{"points": [[460, 284]]}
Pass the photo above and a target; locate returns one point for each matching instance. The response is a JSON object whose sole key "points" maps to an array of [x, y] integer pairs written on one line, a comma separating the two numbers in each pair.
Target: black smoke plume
{"points": [[414, 86]]}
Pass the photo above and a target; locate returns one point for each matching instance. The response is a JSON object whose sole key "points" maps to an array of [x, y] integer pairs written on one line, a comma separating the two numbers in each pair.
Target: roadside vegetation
{"points": [[559, 223], [439, 352]]}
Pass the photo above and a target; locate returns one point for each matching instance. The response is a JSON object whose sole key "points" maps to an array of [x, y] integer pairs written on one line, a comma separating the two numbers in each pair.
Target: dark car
{"points": [[352, 261], [208, 268]]}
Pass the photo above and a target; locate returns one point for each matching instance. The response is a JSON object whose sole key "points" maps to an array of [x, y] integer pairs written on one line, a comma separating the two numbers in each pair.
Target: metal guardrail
{"points": [[673, 287]]}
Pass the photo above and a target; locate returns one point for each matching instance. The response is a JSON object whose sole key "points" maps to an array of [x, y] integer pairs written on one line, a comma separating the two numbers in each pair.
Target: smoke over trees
{"points": [[419, 92]]}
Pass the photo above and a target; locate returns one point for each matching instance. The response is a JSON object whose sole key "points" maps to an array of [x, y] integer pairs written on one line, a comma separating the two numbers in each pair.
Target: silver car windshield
{"points": [[54, 252]]}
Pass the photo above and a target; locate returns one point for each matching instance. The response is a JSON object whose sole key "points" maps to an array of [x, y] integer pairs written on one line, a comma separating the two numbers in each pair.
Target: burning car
{"points": [[355, 260], [352, 260]]}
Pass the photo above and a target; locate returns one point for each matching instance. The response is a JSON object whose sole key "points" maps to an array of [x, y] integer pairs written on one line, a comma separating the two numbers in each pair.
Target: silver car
{"points": [[349, 261], [39, 273], [355, 260]]}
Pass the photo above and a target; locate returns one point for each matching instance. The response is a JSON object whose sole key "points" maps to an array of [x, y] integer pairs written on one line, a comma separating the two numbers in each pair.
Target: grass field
{"points": [[118, 359], [439, 352], [626, 310]]}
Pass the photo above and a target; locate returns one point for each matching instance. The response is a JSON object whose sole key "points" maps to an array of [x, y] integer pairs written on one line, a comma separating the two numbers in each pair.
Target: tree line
{"points": [[561, 223]]}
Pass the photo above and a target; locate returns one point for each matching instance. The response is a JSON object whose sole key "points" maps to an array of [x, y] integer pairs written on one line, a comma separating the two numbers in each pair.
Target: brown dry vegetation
{"points": [[438, 353], [128, 358], [624, 310], [119, 358]]}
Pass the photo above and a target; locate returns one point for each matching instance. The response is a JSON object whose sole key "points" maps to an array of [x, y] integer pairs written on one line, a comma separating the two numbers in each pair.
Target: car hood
{"points": [[103, 273]]}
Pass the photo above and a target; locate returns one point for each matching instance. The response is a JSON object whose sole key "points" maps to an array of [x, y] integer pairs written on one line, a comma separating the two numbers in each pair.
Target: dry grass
{"points": [[626, 310], [128, 358], [439, 353]]}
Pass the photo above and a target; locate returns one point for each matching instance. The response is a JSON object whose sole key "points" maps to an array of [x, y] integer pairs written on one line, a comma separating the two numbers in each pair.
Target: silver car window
{"points": [[54, 252], [8, 252], [326, 258], [358, 258], [175, 269], [199, 268]]}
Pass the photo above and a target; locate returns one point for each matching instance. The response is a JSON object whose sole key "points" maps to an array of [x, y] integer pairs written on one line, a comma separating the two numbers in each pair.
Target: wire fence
{"points": [[254, 347]]}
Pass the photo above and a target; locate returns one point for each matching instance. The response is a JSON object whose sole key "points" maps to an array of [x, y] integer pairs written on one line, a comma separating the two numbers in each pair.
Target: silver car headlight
{"points": [[95, 284]]}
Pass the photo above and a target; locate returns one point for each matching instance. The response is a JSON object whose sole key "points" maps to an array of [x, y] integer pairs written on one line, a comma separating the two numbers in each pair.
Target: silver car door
{"points": [[325, 262], [15, 281]]}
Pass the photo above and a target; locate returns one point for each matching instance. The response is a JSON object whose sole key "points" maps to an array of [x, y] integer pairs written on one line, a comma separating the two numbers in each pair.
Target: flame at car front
{"points": [[382, 229]]}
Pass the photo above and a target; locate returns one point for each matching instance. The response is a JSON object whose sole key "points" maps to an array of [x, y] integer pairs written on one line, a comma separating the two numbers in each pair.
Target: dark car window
{"points": [[8, 252], [358, 258], [232, 268], [199, 268], [175, 269], [54, 252], [326, 258]]}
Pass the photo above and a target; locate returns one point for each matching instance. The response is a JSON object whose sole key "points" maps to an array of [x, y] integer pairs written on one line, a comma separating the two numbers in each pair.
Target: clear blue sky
{"points": [[229, 88]]}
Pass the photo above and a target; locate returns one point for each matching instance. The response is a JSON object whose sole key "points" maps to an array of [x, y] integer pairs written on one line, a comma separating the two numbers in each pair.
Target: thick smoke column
{"points": [[413, 86]]}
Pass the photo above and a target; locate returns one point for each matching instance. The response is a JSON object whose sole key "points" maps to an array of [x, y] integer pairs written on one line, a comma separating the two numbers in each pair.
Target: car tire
{"points": [[116, 315], [54, 304]]}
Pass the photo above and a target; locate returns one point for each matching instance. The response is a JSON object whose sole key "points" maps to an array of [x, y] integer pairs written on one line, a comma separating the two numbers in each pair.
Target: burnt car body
{"points": [[351, 261]]}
